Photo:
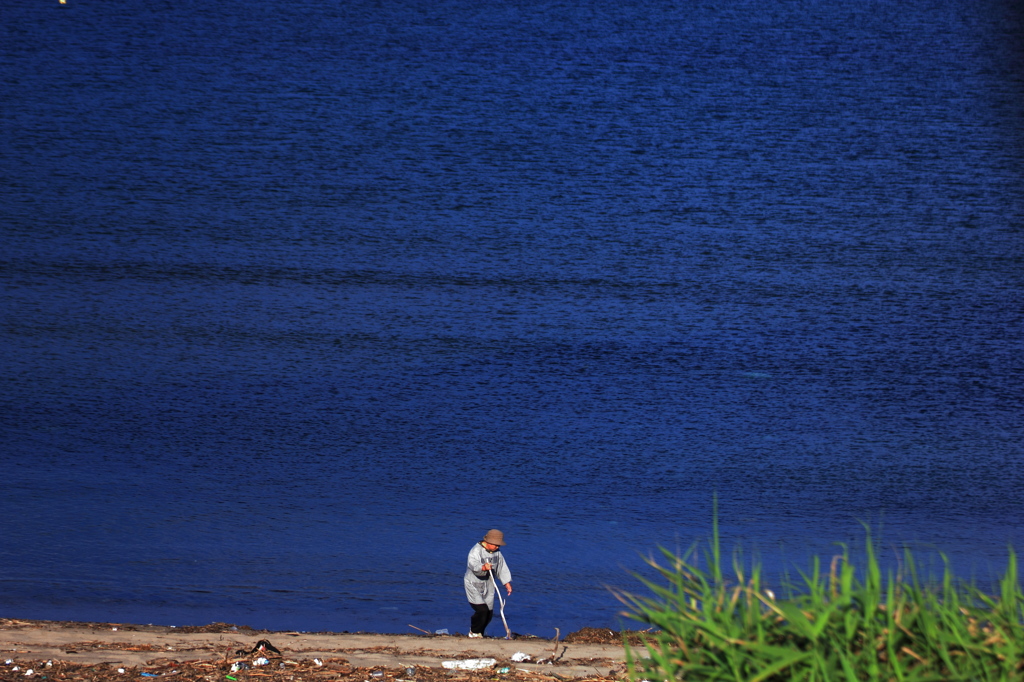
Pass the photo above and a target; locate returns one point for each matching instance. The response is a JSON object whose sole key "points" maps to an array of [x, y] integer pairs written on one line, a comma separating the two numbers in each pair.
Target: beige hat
{"points": [[495, 537]]}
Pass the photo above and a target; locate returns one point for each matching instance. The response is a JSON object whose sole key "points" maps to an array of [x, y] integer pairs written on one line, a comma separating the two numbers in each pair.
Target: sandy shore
{"points": [[220, 651]]}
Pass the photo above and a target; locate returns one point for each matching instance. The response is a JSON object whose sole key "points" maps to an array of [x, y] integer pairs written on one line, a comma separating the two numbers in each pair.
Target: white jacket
{"points": [[479, 586]]}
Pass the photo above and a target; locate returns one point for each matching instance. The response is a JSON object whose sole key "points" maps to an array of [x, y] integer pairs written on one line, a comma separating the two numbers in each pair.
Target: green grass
{"points": [[840, 624]]}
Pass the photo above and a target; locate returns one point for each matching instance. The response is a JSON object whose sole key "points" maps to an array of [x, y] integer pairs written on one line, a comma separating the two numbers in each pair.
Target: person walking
{"points": [[485, 558]]}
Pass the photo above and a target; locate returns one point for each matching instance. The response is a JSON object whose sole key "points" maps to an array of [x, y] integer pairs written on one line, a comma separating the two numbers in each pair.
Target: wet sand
{"points": [[221, 651]]}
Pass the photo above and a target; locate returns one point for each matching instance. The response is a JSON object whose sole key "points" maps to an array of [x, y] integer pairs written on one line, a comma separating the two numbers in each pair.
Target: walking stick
{"points": [[497, 591]]}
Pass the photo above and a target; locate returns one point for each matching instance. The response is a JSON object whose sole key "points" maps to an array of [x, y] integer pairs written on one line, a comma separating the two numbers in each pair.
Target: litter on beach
{"points": [[469, 664]]}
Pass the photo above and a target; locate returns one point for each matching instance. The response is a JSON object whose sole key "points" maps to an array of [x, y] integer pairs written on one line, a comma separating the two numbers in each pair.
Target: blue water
{"points": [[300, 298]]}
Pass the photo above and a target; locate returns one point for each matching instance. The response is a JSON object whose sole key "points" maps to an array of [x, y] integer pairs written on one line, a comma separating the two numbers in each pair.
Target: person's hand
{"points": [[486, 567], [508, 588]]}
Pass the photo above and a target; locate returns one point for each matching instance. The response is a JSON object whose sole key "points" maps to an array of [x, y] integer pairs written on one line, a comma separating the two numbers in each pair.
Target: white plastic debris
{"points": [[519, 657], [114, 629], [442, 631], [16, 668], [318, 661], [469, 664], [30, 672], [260, 661], [121, 670], [9, 661]]}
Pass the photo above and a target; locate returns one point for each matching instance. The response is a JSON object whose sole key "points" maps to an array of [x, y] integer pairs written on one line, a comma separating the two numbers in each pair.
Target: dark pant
{"points": [[481, 617]]}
